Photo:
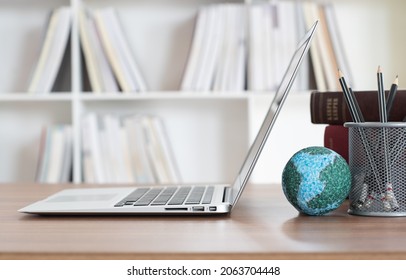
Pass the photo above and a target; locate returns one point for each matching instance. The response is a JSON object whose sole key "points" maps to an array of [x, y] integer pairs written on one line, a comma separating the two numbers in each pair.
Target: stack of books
{"points": [[330, 108], [126, 149]]}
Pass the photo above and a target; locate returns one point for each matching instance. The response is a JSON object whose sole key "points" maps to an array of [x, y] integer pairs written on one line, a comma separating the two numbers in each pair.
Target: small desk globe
{"points": [[316, 180]]}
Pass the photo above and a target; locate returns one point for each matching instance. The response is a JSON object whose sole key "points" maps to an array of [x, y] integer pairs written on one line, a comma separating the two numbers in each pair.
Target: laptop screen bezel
{"points": [[271, 116]]}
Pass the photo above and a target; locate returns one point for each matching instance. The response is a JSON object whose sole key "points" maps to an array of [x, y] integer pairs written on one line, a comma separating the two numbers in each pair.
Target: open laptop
{"points": [[175, 199]]}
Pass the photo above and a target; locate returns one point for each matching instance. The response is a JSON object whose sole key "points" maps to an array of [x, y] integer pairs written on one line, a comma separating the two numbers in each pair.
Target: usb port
{"points": [[198, 208]]}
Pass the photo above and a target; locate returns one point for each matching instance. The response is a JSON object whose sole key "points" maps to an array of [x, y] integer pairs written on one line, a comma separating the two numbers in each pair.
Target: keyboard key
{"points": [[208, 195], [132, 197], [196, 195], [180, 196], [148, 197], [164, 197]]}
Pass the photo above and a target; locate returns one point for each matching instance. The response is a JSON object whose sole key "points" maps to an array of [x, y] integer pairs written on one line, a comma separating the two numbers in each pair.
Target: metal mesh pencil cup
{"points": [[377, 159]]}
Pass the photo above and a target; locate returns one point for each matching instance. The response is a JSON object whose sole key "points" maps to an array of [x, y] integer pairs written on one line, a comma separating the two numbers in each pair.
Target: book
{"points": [[336, 139], [118, 51], [165, 149], [310, 13], [259, 48], [337, 42], [92, 149], [329, 107], [141, 166], [42, 162], [288, 37], [114, 151], [67, 158], [230, 73], [55, 155], [210, 48], [305, 77], [218, 51], [326, 53], [52, 51], [330, 64], [193, 62], [98, 68], [159, 153]]}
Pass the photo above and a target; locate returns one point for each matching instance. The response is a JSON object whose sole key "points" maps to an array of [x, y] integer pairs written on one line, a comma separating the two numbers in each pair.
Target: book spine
{"points": [[329, 107], [336, 139]]}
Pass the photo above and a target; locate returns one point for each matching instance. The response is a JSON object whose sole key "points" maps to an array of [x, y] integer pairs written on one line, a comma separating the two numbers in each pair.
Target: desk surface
{"points": [[262, 226]]}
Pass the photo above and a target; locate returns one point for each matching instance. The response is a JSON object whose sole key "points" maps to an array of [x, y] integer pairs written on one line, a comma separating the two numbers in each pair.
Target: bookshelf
{"points": [[220, 126]]}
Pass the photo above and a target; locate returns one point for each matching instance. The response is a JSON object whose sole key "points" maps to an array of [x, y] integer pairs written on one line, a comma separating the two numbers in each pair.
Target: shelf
{"points": [[167, 95], [24, 97]]}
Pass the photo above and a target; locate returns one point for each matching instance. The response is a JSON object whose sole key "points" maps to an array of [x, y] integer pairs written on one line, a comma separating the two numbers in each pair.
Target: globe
{"points": [[316, 180]]}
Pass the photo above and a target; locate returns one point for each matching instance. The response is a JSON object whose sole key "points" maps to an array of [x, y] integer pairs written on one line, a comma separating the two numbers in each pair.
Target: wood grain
{"points": [[262, 226]]}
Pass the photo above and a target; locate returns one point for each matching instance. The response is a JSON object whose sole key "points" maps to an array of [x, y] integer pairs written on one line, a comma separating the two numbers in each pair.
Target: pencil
{"points": [[356, 105], [383, 117], [356, 118], [391, 96], [350, 99]]}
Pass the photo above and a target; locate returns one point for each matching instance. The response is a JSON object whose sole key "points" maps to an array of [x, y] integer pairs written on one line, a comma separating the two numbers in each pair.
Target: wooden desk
{"points": [[262, 226]]}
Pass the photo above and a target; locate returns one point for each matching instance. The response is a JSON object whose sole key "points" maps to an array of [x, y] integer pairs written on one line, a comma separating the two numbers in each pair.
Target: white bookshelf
{"points": [[210, 131]]}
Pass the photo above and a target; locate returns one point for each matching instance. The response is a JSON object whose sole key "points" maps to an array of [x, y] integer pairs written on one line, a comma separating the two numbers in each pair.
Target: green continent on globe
{"points": [[291, 177], [316, 180]]}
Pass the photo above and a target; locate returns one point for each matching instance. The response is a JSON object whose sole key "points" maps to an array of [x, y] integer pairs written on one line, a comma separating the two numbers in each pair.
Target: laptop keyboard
{"points": [[168, 196]]}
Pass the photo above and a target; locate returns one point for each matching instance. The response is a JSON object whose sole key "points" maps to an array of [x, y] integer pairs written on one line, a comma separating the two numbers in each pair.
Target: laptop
{"points": [[175, 199]]}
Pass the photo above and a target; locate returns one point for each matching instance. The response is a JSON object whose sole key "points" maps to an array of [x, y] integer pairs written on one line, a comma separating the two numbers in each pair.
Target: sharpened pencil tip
{"points": [[379, 69], [396, 82], [340, 74]]}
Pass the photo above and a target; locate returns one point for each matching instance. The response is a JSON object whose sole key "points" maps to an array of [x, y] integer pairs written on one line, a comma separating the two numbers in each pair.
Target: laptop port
{"points": [[213, 208], [176, 209], [198, 208]]}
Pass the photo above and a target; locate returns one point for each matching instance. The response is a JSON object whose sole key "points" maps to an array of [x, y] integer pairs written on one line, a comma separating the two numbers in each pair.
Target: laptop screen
{"points": [[270, 118]]}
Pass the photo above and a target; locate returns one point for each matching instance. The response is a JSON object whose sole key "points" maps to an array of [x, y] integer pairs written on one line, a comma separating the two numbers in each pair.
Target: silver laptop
{"points": [[175, 199]]}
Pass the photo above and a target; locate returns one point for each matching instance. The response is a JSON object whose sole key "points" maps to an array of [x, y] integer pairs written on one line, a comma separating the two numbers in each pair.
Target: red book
{"points": [[336, 139]]}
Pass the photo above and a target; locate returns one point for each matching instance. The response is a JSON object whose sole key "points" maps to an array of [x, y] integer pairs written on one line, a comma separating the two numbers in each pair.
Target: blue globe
{"points": [[316, 180]]}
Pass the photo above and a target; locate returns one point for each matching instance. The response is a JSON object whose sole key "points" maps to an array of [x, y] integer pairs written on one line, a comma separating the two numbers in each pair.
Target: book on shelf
{"points": [[218, 52], [330, 107], [126, 149], [141, 166], [322, 52], [259, 74], [54, 48], [272, 38], [109, 62], [238, 47], [55, 155], [160, 151], [235, 47], [99, 71], [118, 50], [331, 23]]}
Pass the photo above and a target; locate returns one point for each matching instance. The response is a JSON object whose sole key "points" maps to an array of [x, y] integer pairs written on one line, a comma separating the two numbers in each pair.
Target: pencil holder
{"points": [[377, 159]]}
